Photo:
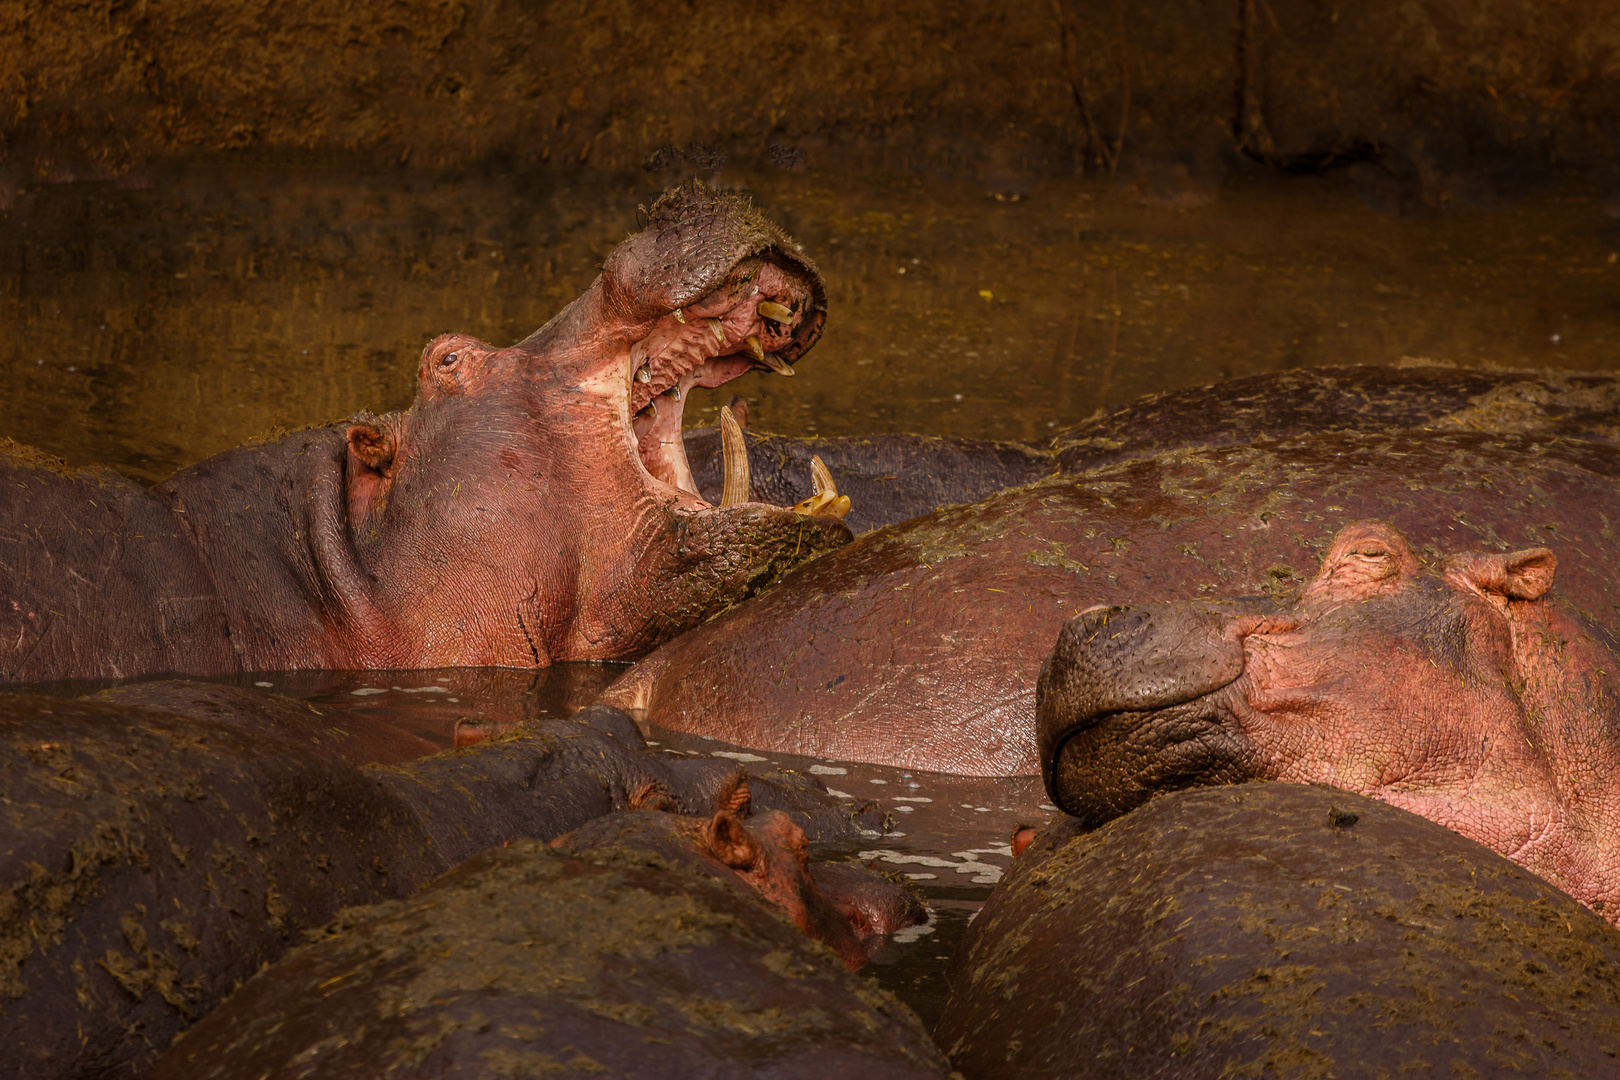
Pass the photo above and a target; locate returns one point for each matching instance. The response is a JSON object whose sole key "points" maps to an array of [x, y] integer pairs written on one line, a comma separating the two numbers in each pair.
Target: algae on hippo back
{"points": [[886, 652], [534, 504]]}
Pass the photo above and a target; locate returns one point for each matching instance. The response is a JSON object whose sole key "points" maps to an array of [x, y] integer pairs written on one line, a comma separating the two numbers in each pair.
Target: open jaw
{"points": [[761, 310]]}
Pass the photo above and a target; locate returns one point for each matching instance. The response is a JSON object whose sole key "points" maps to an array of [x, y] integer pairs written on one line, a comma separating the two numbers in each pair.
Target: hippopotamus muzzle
{"points": [[1122, 685]]}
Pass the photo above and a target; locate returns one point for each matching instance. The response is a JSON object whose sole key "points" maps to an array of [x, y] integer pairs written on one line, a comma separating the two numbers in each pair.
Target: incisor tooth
{"points": [[680, 316], [770, 309], [718, 329], [826, 502], [738, 486], [644, 374]]}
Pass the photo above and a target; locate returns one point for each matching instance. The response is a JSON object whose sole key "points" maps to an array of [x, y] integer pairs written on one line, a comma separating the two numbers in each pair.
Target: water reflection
{"points": [[148, 329]]}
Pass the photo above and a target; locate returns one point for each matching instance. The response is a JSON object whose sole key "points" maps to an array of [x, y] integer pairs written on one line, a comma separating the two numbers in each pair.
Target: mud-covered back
{"points": [[1279, 929]]}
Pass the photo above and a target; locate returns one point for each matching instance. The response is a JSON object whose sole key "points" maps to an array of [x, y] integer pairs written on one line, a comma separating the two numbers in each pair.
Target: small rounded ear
{"points": [[730, 842], [372, 444], [1517, 575]]}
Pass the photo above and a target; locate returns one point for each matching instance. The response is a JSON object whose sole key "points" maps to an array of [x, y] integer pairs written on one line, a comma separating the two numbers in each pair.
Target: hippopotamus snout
{"points": [[1122, 691]]}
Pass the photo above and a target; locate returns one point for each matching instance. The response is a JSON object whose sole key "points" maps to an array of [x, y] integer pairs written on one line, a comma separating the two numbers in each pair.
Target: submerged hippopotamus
{"points": [[919, 645], [646, 952], [161, 842], [1278, 930], [1458, 690], [893, 477], [534, 503]]}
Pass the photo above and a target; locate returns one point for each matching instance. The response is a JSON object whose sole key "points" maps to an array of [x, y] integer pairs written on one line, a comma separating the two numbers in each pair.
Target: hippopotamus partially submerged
{"points": [[1459, 690], [919, 644], [534, 504], [1278, 930], [892, 477], [618, 958], [151, 858]]}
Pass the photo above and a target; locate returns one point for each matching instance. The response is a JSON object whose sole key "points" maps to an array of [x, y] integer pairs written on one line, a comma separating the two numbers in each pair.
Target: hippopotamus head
{"points": [[1460, 691], [535, 504], [844, 907]]}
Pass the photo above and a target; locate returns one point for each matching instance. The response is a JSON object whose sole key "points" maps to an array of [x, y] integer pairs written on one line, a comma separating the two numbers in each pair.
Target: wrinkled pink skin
{"points": [[519, 513], [1464, 695]]}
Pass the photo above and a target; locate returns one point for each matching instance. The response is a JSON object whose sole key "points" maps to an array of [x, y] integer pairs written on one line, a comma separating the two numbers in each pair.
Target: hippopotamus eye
{"points": [[448, 360]]}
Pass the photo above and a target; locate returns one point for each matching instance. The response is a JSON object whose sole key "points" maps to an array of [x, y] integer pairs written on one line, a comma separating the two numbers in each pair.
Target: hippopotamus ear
{"points": [[730, 841], [1517, 575], [372, 443]]}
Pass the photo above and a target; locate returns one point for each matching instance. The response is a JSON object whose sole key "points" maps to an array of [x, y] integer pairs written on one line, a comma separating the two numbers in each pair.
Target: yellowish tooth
{"points": [[718, 329], [826, 502], [738, 486], [776, 364], [821, 477], [755, 347], [770, 309], [644, 374], [680, 316]]}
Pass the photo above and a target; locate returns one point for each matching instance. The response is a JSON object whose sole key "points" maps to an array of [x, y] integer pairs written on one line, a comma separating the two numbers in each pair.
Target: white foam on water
{"points": [[911, 933], [874, 781], [423, 690], [835, 793], [911, 798], [826, 770], [367, 691], [266, 685], [905, 809], [923, 877], [736, 755]]}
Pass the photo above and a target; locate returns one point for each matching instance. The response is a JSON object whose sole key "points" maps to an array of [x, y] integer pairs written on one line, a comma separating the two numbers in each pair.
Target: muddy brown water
{"points": [[149, 328]]}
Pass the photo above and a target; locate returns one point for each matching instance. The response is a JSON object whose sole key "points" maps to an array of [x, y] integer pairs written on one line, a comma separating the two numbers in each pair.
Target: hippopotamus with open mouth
{"points": [[1459, 690], [534, 504]]}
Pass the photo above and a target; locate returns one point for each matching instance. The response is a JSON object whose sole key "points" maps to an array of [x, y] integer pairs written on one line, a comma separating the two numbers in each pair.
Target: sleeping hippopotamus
{"points": [[919, 644], [621, 958], [153, 856], [893, 477], [1460, 691], [534, 503], [1278, 930]]}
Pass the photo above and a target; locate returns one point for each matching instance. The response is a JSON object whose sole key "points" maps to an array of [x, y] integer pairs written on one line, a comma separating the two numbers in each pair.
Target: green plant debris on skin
{"points": [[1269, 940], [113, 934]]}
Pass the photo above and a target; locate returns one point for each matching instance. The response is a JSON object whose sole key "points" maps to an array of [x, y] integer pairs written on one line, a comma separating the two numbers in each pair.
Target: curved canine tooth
{"points": [[718, 329], [821, 477], [738, 487], [826, 502], [644, 374], [770, 309], [680, 316], [674, 392], [770, 360]]}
